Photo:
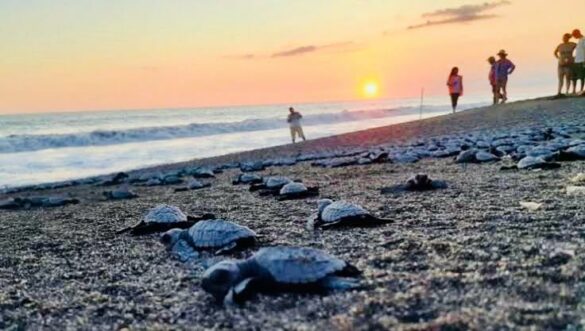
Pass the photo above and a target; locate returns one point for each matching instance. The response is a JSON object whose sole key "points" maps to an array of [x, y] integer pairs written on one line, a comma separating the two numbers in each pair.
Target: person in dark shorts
{"points": [[455, 84], [566, 67]]}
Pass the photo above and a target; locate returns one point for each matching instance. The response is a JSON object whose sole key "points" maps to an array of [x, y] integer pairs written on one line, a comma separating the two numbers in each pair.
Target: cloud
{"points": [[298, 51], [462, 14]]}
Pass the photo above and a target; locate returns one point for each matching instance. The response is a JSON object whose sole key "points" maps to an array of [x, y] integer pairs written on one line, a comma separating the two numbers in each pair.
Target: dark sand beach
{"points": [[465, 258]]}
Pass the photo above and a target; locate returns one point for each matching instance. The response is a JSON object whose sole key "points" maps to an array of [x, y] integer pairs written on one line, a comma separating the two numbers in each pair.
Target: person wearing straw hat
{"points": [[503, 68]]}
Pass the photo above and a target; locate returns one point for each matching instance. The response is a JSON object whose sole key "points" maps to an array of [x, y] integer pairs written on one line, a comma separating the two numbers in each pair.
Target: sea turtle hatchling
{"points": [[216, 235], [121, 193], [278, 269], [163, 218], [419, 182], [274, 183], [296, 190], [343, 213], [247, 178]]}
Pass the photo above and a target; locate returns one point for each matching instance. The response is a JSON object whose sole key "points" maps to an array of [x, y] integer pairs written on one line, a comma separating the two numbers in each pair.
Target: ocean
{"points": [[42, 148]]}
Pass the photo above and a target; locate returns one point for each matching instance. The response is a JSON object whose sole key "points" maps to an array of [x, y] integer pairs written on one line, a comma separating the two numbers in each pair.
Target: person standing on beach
{"points": [[492, 79], [503, 68], [564, 53], [579, 65], [455, 84], [294, 120]]}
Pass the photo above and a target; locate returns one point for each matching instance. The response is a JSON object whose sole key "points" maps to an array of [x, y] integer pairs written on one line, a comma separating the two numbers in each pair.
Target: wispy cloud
{"points": [[462, 14], [298, 51]]}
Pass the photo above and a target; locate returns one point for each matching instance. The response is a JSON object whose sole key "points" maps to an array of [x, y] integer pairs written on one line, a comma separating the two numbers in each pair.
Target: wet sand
{"points": [[468, 257]]}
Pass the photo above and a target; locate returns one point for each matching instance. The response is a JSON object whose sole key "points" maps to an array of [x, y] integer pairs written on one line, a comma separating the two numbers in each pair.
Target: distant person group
{"points": [[571, 68]]}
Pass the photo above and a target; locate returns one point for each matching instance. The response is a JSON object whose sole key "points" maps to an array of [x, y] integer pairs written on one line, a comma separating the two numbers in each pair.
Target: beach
{"points": [[468, 257]]}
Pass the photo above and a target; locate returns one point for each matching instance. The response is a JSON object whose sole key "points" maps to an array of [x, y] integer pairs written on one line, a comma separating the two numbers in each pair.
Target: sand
{"points": [[468, 257]]}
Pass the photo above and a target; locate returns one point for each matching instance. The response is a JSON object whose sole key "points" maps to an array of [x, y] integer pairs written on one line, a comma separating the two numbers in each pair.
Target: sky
{"points": [[75, 55]]}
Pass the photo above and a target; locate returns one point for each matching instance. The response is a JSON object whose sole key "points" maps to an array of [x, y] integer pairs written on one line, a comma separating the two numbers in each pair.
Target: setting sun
{"points": [[371, 89]]}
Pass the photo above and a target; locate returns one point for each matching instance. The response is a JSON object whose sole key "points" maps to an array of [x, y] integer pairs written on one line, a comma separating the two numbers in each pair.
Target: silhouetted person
{"points": [[294, 120], [579, 65], [455, 84], [564, 53], [503, 69], [492, 79]]}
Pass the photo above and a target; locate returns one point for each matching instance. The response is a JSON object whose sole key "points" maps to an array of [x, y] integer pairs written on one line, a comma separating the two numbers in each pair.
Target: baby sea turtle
{"points": [[296, 190], [274, 183], [531, 162], [121, 193], [247, 179], [343, 213], [193, 184], [163, 218], [215, 235], [278, 269], [420, 182]]}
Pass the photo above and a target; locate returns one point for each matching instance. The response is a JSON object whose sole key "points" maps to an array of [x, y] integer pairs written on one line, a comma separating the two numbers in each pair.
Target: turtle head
{"points": [[322, 204], [220, 278], [171, 237]]}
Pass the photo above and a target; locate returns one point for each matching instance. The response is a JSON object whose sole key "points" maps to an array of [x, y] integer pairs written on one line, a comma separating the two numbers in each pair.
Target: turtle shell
{"points": [[217, 233], [531, 162], [293, 188], [297, 265], [276, 182], [248, 179], [339, 210], [165, 214]]}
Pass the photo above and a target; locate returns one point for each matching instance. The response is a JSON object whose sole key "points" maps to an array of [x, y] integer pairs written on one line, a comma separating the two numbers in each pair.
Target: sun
{"points": [[371, 89]]}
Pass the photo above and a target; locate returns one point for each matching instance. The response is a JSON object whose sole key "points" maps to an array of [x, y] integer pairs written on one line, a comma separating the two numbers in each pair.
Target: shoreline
{"points": [[367, 138]]}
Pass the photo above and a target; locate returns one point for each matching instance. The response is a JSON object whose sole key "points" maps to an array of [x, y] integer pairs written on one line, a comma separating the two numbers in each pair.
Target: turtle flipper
{"points": [[150, 228], [334, 283], [313, 222], [227, 249], [243, 291], [373, 220], [394, 189], [183, 251], [130, 228]]}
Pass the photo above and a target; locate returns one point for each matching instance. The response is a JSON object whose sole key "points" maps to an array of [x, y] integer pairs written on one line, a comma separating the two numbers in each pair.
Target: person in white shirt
{"points": [[579, 66], [294, 120]]}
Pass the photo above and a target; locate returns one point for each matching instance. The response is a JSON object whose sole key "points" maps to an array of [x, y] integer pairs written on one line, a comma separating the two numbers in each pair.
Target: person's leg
{"points": [[582, 76], [452, 95], [292, 134], [301, 133], [504, 90], [495, 93], [560, 75]]}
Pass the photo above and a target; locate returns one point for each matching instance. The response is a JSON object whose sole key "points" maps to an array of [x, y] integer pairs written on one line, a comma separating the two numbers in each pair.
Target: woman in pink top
{"points": [[455, 84]]}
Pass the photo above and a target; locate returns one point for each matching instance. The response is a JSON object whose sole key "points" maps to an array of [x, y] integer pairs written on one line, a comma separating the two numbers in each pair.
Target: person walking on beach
{"points": [[492, 79], [579, 65], [294, 120], [564, 53], [455, 84], [503, 68]]}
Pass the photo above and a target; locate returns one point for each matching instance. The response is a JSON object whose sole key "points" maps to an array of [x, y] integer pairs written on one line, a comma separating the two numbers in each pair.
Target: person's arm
{"points": [[288, 119], [461, 85], [557, 52], [512, 67]]}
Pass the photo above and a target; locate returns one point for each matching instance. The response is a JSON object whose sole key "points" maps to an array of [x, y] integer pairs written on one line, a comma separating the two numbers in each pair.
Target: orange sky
{"points": [[60, 55]]}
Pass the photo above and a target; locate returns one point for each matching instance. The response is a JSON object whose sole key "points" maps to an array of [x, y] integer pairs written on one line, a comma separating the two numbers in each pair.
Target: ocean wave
{"points": [[31, 142]]}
